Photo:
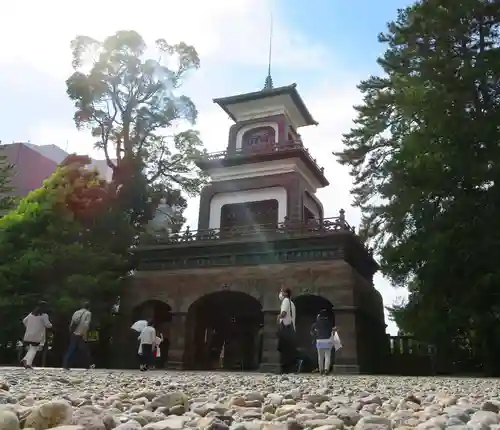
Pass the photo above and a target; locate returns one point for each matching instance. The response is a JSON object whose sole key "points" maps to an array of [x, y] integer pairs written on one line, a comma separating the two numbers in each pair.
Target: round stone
{"points": [[167, 400]]}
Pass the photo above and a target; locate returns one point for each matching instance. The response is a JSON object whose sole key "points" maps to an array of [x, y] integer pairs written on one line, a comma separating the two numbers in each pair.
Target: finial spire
{"points": [[268, 85]]}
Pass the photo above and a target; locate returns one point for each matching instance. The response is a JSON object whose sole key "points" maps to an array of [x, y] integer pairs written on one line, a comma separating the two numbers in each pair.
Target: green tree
{"points": [[55, 246], [424, 157], [132, 105]]}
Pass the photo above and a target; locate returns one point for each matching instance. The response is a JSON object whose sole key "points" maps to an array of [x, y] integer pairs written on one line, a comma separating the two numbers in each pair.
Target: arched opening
{"points": [[258, 139], [153, 310], [224, 331], [308, 307], [160, 314]]}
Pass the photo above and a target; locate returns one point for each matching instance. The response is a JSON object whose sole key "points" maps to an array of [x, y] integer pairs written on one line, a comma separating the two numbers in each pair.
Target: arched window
{"points": [[258, 138]]}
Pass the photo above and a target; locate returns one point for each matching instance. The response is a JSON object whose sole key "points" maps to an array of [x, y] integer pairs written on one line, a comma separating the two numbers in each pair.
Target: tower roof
{"points": [[287, 97]]}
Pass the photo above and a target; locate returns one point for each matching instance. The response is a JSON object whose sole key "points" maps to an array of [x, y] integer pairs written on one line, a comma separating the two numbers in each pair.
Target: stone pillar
{"points": [[295, 210], [346, 359], [270, 356], [177, 340]]}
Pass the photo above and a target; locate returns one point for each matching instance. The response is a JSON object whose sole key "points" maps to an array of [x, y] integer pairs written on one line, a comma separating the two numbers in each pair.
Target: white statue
{"points": [[161, 221]]}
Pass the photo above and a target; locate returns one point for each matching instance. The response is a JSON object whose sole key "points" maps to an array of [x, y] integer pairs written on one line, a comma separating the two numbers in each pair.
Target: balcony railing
{"points": [[265, 148], [269, 231]]}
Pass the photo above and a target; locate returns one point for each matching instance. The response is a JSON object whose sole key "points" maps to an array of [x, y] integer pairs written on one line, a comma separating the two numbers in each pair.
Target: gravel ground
{"points": [[130, 400]]}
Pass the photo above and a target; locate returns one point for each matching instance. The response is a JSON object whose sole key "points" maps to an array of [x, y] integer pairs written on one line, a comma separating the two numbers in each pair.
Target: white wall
{"points": [[221, 199], [265, 168], [243, 130], [266, 107]]}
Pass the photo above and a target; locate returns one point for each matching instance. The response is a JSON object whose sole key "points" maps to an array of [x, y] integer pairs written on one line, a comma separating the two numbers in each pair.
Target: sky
{"points": [[325, 46]]}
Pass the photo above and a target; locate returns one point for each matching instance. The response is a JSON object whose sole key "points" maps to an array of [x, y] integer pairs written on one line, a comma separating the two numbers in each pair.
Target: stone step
{"points": [[174, 365], [346, 369]]}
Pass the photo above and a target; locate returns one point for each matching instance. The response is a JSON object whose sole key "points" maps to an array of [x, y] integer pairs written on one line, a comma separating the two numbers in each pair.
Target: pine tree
{"points": [[424, 155]]}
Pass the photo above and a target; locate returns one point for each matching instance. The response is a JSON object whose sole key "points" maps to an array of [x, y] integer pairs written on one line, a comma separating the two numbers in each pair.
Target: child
{"points": [[157, 353]]}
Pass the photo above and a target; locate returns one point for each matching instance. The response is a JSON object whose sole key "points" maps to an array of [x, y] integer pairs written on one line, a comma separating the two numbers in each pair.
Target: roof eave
{"points": [[291, 90], [206, 165]]}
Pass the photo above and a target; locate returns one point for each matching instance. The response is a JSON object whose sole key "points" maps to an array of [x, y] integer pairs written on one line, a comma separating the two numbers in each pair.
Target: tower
{"points": [[261, 227], [266, 176]]}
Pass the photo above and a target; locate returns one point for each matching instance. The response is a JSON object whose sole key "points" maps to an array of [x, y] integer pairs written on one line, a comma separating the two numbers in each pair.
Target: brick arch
{"points": [[189, 300], [312, 304], [153, 309], [307, 307], [145, 307], [232, 318]]}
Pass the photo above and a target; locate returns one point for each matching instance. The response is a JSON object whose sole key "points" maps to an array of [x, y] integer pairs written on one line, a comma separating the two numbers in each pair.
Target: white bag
{"points": [[157, 347], [337, 344]]}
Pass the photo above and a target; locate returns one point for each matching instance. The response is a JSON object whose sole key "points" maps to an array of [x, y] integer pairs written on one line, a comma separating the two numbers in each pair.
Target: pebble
{"points": [[44, 399], [9, 420]]}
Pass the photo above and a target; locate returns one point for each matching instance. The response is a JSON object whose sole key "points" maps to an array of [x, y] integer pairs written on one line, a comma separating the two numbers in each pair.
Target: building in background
{"points": [[35, 163], [260, 227]]}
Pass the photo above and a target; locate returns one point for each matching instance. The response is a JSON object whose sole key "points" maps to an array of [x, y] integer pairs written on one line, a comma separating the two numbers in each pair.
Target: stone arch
{"points": [[229, 320], [307, 307], [157, 311], [160, 313]]}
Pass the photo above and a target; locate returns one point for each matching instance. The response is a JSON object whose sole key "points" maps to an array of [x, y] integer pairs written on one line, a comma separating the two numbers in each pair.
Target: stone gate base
{"points": [[356, 304]]}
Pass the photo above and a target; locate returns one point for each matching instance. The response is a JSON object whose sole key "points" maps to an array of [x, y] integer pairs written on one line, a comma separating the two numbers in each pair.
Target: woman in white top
{"points": [[36, 323], [286, 332], [147, 343]]}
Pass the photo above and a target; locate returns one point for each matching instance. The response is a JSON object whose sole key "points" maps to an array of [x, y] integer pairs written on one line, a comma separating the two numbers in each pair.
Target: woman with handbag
{"points": [[147, 344], [324, 332], [286, 332]]}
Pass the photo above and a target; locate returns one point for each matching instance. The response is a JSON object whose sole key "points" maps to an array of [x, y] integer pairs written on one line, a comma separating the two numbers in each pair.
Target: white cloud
{"points": [[228, 34], [226, 30]]}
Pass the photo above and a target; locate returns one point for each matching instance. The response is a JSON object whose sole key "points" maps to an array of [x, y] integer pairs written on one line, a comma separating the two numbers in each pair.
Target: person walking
{"points": [[79, 327], [36, 323], [324, 331], [286, 332], [147, 343]]}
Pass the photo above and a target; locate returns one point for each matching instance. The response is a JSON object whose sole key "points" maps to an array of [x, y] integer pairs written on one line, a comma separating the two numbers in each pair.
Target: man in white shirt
{"points": [[78, 327], [286, 333]]}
